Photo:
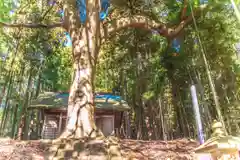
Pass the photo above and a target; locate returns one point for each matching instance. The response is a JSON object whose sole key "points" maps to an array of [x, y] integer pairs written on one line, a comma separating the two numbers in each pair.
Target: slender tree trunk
{"points": [[211, 83], [38, 85], [4, 89], [6, 86], [28, 116], [175, 102], [215, 97], [139, 120], [23, 114], [10, 73], [6, 105], [14, 121], [161, 118], [184, 117]]}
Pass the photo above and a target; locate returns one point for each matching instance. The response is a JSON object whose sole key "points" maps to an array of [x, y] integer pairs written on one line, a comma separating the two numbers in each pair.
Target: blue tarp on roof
{"points": [[102, 101], [106, 96]]}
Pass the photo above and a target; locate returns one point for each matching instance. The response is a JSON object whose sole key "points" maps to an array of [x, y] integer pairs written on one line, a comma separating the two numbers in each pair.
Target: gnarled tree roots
{"points": [[98, 148]]}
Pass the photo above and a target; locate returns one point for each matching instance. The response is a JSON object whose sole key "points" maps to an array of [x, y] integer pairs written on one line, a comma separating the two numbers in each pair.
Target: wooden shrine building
{"points": [[50, 112]]}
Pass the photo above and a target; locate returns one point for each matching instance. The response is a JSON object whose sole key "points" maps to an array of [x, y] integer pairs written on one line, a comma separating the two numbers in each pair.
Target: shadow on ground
{"points": [[181, 149], [21, 150]]}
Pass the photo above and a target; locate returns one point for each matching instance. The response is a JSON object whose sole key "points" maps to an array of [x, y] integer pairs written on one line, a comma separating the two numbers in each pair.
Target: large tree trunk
{"points": [[85, 41], [80, 108], [81, 130]]}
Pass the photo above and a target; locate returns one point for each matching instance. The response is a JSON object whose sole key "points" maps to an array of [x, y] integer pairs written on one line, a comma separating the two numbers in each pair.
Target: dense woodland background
{"points": [[153, 78]]}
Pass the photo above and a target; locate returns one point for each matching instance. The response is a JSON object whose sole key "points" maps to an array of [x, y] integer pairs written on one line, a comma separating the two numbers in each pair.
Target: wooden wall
{"points": [[51, 123], [50, 127], [117, 116]]}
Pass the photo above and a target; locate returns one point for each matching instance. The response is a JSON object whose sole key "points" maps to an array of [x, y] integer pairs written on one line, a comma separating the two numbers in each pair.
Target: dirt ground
{"points": [[181, 149]]}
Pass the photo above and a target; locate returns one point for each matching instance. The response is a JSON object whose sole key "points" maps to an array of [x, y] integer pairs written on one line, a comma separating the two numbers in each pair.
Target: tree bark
{"points": [[6, 105], [80, 108], [81, 127], [14, 121], [85, 41], [23, 114], [161, 118]]}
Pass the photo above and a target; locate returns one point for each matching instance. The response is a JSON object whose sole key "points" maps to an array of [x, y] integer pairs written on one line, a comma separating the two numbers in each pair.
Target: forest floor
{"points": [[180, 149]]}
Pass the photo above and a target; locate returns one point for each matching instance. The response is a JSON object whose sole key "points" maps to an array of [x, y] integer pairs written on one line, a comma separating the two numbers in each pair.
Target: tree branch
{"points": [[143, 22], [173, 32], [30, 25], [113, 26], [184, 10], [46, 13]]}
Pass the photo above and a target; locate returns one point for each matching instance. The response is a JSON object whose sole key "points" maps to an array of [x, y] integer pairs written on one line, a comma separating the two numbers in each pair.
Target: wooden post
{"points": [[60, 124], [37, 122], [29, 122], [40, 124]]}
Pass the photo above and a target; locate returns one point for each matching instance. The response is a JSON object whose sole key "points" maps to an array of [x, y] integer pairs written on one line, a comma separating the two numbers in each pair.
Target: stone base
{"points": [[85, 149]]}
